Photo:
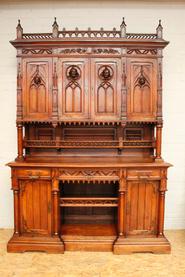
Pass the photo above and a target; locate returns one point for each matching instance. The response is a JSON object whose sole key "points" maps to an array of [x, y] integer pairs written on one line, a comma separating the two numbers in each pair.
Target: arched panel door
{"points": [[106, 85], [36, 88], [142, 89], [73, 89]]}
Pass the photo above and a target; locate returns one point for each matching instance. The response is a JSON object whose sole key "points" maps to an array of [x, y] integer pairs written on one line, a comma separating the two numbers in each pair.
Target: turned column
{"points": [[162, 190], [15, 188], [55, 201], [158, 142], [20, 156], [122, 204]]}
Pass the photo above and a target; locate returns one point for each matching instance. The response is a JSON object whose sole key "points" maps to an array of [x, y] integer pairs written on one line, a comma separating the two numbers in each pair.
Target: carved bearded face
{"points": [[73, 73]]}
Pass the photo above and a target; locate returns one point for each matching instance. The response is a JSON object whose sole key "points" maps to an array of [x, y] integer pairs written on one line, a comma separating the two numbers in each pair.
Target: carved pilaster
{"points": [[122, 202], [19, 90], [16, 191], [159, 89], [162, 190], [55, 202], [124, 91], [55, 92]]}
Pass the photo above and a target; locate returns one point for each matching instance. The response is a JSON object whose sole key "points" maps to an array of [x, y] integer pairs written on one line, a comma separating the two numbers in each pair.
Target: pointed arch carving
{"points": [[105, 90], [142, 94], [73, 91]]}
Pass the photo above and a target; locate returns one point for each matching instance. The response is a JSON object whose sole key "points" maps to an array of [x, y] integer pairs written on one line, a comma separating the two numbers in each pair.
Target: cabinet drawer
{"points": [[143, 173], [33, 173]]}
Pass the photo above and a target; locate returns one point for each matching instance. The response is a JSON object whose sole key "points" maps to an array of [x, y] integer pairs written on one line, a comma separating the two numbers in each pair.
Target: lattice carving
{"points": [[88, 202], [105, 51], [36, 51], [85, 173], [142, 51], [73, 51]]}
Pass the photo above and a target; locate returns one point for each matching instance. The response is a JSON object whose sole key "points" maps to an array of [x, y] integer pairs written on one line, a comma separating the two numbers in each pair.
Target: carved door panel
{"points": [[142, 207], [142, 89], [106, 87], [37, 88], [73, 88], [35, 206]]}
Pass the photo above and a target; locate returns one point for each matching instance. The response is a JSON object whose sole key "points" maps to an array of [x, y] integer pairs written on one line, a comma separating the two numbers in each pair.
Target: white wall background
{"points": [[37, 16]]}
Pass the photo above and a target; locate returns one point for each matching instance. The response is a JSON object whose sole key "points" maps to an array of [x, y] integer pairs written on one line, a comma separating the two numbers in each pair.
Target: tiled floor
{"points": [[89, 264]]}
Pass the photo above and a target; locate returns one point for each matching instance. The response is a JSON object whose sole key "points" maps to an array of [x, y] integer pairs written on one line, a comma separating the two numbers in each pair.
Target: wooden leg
{"points": [[20, 156]]}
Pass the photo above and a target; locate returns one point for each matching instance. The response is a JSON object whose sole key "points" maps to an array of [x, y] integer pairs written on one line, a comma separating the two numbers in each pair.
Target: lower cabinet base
{"points": [[130, 245], [21, 244], [96, 244]]}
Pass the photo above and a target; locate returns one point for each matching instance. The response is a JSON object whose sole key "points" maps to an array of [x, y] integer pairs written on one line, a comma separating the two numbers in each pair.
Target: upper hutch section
{"points": [[89, 77]]}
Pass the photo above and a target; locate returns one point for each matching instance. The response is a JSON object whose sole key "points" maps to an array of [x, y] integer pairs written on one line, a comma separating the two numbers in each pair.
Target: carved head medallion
{"points": [[105, 73], [73, 73]]}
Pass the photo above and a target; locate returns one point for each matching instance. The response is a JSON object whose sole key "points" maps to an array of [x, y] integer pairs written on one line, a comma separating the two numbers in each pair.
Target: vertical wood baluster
{"points": [[55, 194], [20, 156], [158, 142], [16, 211], [162, 190], [121, 207]]}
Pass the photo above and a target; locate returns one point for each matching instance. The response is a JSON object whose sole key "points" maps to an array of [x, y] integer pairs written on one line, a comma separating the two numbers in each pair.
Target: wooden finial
{"points": [[55, 28], [123, 28], [19, 30], [159, 30]]}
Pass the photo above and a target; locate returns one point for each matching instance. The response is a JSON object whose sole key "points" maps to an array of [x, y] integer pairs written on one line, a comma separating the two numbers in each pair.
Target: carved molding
{"points": [[142, 51], [88, 202], [36, 51], [88, 173], [73, 51], [105, 51]]}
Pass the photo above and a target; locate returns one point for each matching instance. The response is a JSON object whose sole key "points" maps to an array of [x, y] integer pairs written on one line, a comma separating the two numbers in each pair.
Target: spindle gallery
{"points": [[89, 175]]}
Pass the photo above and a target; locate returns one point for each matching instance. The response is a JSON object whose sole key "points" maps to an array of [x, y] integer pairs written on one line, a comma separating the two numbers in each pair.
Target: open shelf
{"points": [[89, 230], [88, 203]]}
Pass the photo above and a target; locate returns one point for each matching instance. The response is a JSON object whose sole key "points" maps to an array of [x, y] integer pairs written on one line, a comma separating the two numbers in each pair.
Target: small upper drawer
{"points": [[33, 173], [143, 173]]}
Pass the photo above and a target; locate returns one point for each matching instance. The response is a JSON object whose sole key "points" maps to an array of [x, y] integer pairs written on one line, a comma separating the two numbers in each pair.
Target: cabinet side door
{"points": [[35, 207], [106, 87], [142, 207], [37, 88], [142, 89]]}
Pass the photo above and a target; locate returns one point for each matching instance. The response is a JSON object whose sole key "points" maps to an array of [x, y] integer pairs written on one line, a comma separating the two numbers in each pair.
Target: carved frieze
{"points": [[73, 51], [36, 51], [88, 202], [142, 51], [105, 51], [88, 173]]}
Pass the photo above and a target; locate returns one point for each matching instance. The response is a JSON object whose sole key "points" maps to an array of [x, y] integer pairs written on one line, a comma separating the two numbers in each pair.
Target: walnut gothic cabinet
{"points": [[89, 173]]}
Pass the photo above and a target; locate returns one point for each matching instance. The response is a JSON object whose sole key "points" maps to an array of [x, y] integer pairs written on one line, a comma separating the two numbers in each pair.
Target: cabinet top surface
{"points": [[92, 162]]}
